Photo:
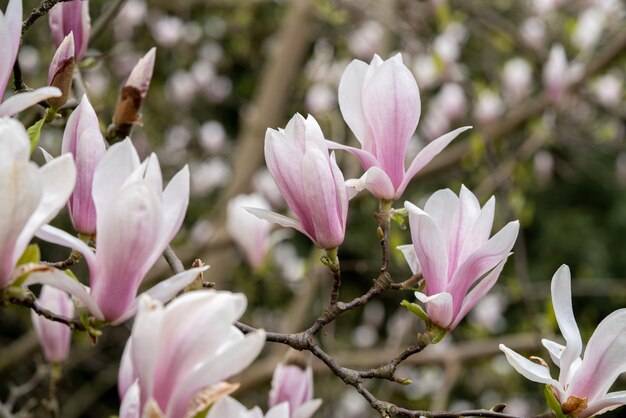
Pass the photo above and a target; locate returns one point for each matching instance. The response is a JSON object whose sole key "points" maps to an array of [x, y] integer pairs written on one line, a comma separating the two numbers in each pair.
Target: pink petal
{"points": [[482, 260], [429, 152], [439, 308], [230, 361], [562, 303], [391, 104], [321, 198], [468, 211], [279, 219], [351, 102], [146, 335], [115, 167], [430, 249], [127, 234], [603, 360], [376, 181], [477, 293], [480, 231], [60, 237], [608, 403], [365, 158]]}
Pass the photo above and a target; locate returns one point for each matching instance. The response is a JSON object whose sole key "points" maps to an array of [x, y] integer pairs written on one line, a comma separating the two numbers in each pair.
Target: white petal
{"points": [[131, 403], [114, 168], [57, 180], [21, 101], [279, 411], [60, 280], [281, 220], [610, 402], [562, 302], [146, 336], [351, 102], [175, 202], [411, 258], [307, 409], [528, 369]]}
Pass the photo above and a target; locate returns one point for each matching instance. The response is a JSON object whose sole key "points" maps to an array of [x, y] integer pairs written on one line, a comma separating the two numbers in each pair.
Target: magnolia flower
{"points": [[10, 33], [250, 233], [54, 337], [555, 74], [516, 78], [30, 196], [71, 17], [309, 180], [178, 357], [381, 105], [583, 383], [452, 247], [229, 408], [134, 91], [83, 139], [294, 385], [61, 70], [136, 219]]}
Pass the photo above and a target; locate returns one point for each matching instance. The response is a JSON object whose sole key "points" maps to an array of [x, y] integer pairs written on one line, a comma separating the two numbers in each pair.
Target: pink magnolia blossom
{"points": [[309, 180], [294, 385], [71, 17], [381, 104], [30, 196], [10, 33], [452, 247], [135, 220], [54, 337], [178, 357], [251, 234], [556, 74], [582, 387], [83, 139]]}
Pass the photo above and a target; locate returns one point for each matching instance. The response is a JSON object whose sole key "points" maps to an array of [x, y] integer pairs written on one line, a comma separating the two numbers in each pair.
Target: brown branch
{"points": [[28, 300], [73, 259]]}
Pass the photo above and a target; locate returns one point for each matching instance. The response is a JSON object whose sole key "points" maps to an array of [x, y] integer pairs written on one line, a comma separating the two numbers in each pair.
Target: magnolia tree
{"points": [[185, 346]]}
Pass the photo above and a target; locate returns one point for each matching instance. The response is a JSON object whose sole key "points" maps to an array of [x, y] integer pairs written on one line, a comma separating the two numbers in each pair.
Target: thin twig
{"points": [[28, 300], [104, 21]]}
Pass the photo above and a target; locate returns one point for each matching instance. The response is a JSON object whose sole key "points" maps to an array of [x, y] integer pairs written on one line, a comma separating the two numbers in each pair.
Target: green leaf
{"points": [[31, 255], [34, 132], [415, 309], [553, 403]]}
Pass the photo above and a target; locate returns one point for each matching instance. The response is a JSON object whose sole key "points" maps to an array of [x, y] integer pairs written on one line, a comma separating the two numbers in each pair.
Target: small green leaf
{"points": [[31, 255], [415, 309], [34, 132], [553, 403]]}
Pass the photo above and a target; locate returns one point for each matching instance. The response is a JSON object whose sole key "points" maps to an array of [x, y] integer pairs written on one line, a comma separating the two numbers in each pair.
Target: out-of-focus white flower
{"points": [[426, 71], [320, 99], [208, 175], [516, 79], [212, 137], [609, 89], [251, 234], [588, 28], [543, 165], [533, 30], [167, 30], [367, 39], [132, 14], [489, 312], [488, 106]]}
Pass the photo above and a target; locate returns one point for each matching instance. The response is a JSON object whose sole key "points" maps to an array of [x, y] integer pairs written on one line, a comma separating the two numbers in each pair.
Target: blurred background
{"points": [[541, 81]]}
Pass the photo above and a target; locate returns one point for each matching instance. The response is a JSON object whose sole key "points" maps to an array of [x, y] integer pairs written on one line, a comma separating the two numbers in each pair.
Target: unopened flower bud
{"points": [[83, 139], [61, 71], [54, 337], [132, 95]]}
